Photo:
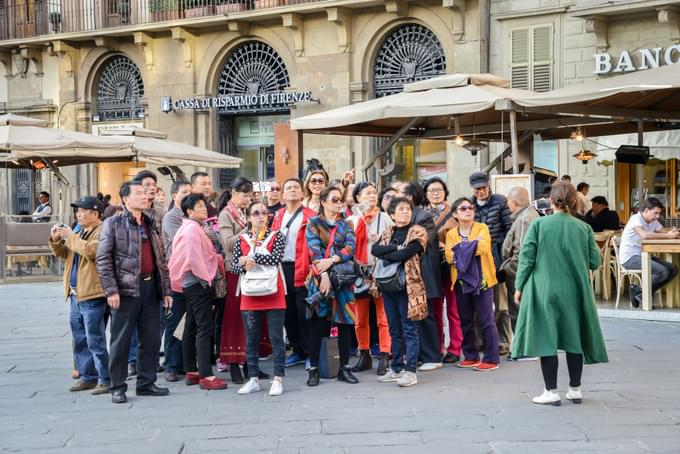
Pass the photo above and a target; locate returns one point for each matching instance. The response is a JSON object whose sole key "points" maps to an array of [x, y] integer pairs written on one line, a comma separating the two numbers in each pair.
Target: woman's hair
{"points": [[322, 172], [563, 196], [430, 182], [459, 201], [111, 210], [382, 194], [415, 191], [189, 202], [360, 187], [225, 197], [325, 194], [395, 202], [242, 184]]}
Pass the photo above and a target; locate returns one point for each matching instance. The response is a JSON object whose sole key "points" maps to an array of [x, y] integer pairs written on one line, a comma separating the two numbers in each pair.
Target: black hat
{"points": [[479, 180], [89, 202]]}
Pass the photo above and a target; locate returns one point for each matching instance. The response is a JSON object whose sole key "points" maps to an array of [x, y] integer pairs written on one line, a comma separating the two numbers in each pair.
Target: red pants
{"points": [[455, 331], [363, 328]]}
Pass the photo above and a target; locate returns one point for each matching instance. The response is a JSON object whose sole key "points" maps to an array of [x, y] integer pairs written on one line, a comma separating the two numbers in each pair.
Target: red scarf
{"points": [[236, 214], [361, 237]]}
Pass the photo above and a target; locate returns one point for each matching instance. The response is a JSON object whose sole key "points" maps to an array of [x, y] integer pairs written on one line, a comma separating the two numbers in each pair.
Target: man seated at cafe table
{"points": [[600, 217], [645, 225]]}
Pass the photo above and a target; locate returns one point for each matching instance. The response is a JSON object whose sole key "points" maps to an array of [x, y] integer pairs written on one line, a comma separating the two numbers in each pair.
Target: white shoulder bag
{"points": [[262, 280]]}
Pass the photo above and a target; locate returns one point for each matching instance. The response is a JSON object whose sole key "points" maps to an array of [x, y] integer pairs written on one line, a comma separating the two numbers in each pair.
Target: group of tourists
{"points": [[226, 281]]}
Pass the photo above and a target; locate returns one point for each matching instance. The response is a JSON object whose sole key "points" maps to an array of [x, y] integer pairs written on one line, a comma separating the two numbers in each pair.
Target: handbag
{"points": [[219, 285], [389, 276], [344, 273], [262, 280]]}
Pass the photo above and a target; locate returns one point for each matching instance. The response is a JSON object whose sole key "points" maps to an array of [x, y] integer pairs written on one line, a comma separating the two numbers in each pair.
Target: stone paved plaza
{"points": [[631, 405]]}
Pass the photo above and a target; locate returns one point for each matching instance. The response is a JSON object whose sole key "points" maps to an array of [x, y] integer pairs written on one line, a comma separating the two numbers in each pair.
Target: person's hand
{"points": [[250, 264], [442, 246], [242, 260], [167, 302], [348, 177], [54, 233], [325, 284], [518, 297], [373, 237], [65, 232], [324, 264], [113, 301], [673, 233]]}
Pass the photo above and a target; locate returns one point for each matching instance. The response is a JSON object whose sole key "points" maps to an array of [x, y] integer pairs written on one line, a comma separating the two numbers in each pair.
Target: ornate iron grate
{"points": [[119, 90], [254, 68], [409, 54]]}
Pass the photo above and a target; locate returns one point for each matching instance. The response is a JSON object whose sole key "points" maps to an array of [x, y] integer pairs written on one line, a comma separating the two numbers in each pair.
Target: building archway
{"points": [[118, 90]]}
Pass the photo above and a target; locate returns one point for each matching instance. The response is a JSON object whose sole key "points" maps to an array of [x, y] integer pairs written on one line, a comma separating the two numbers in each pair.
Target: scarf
{"points": [[361, 235], [236, 214], [192, 251]]}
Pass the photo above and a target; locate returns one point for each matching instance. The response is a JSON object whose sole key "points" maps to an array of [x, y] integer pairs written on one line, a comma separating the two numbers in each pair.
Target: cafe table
{"points": [[669, 249]]}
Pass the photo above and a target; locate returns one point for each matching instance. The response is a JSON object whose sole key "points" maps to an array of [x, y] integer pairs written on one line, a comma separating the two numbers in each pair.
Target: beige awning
{"points": [[20, 120], [662, 145]]}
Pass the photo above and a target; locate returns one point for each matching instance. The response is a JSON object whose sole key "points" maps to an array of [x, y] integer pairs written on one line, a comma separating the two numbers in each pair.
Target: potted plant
{"points": [[230, 6], [162, 10], [261, 4], [198, 8]]}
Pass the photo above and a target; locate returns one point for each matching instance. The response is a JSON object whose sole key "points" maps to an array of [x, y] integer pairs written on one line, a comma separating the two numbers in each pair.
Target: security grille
{"points": [[254, 68], [119, 90], [409, 54]]}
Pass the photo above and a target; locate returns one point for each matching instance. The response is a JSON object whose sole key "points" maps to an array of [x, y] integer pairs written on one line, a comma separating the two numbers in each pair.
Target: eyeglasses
{"points": [[388, 196], [274, 189], [317, 181], [335, 200], [257, 213], [465, 208], [434, 190]]}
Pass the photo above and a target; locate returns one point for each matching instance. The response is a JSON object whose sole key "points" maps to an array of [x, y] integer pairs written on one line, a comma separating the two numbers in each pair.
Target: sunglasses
{"points": [[388, 196], [257, 213], [317, 181], [434, 190], [274, 189], [466, 208], [335, 200]]}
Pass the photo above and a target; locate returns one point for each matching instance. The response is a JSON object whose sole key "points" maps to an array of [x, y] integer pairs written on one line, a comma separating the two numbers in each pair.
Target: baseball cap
{"points": [[89, 202], [479, 180]]}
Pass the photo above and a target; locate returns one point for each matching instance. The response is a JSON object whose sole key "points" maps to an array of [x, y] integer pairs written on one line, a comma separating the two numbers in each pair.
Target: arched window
{"points": [[120, 90], [409, 54]]}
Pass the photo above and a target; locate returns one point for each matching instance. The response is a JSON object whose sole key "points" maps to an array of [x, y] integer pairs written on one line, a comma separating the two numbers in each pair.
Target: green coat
{"points": [[557, 310]]}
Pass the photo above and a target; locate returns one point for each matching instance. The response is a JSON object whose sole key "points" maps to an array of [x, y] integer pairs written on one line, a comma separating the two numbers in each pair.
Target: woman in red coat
{"points": [[259, 246]]}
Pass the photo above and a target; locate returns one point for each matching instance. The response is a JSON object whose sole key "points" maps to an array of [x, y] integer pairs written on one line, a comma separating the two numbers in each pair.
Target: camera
{"points": [[61, 225]]}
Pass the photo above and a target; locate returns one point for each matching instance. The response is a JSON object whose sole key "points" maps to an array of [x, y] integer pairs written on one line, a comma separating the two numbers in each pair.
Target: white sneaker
{"points": [[548, 398], [407, 379], [252, 386], [277, 387], [390, 376], [575, 395], [427, 367]]}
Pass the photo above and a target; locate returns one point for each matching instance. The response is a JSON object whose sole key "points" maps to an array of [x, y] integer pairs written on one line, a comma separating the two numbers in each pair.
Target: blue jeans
{"points": [[89, 340], [252, 321], [404, 332]]}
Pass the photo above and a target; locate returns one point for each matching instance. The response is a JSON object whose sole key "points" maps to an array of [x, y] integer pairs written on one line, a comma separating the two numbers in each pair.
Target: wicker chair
{"points": [[634, 276]]}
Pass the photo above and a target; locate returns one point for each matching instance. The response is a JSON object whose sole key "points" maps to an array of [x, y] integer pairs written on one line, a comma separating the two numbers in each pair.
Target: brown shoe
{"points": [[100, 389], [82, 386]]}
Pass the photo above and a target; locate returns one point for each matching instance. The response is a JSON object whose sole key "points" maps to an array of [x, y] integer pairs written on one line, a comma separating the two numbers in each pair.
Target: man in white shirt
{"points": [[43, 212], [645, 225]]}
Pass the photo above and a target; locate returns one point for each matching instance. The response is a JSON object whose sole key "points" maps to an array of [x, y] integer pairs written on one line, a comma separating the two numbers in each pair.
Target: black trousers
{"points": [[173, 346], [549, 369], [429, 337], [218, 304], [136, 313], [296, 320], [320, 328], [198, 330]]}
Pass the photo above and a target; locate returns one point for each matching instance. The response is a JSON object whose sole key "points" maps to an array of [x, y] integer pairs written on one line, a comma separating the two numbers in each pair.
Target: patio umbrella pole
{"points": [[640, 167], [513, 141]]}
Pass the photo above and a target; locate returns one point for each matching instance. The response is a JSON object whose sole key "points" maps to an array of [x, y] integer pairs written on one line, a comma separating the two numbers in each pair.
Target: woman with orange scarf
{"points": [[369, 224]]}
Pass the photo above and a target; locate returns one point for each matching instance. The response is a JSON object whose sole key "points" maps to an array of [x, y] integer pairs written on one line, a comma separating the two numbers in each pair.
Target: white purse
{"points": [[262, 280]]}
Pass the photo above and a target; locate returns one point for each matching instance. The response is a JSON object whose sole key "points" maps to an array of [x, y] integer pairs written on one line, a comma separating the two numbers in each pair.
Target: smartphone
{"points": [[360, 209]]}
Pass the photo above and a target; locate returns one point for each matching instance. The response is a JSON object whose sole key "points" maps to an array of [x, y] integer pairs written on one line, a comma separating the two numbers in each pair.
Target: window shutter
{"points": [[541, 77], [519, 66]]}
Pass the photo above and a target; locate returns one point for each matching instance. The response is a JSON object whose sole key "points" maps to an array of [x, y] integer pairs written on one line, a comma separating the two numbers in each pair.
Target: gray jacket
{"points": [[521, 219]]}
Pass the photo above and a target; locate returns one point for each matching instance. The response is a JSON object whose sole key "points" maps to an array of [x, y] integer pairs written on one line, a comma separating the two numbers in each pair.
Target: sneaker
{"points": [[427, 367], [390, 376], [293, 360], [252, 386], [82, 386], [277, 387], [100, 389], [308, 364], [485, 366], [450, 358], [548, 398], [212, 383], [468, 364], [222, 367], [575, 395], [635, 295], [407, 379]]}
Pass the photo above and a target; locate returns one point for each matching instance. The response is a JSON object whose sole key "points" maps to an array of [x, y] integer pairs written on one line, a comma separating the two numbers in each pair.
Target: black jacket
{"points": [[119, 258], [431, 260], [604, 220], [496, 215]]}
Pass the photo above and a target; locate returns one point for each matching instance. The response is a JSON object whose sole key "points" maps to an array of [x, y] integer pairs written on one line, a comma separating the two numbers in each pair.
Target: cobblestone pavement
{"points": [[631, 405]]}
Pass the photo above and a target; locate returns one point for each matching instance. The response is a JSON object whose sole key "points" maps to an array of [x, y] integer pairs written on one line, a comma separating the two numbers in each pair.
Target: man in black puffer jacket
{"points": [[492, 210], [133, 273]]}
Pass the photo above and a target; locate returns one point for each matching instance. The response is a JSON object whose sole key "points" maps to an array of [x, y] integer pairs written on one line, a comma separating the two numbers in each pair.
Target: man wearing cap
{"points": [[78, 248], [492, 210]]}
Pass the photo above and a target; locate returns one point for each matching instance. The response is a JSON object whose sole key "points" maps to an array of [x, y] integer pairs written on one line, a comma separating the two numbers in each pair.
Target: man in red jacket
{"points": [[292, 222]]}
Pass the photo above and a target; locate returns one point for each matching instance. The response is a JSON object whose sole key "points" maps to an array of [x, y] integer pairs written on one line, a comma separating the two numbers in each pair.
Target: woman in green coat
{"points": [[557, 310]]}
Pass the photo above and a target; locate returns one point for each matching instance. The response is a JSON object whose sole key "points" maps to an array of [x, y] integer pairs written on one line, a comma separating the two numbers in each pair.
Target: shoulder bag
{"points": [[344, 273], [262, 280], [390, 276]]}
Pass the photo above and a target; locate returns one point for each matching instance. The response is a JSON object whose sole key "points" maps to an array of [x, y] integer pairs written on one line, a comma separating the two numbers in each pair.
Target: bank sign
{"points": [[260, 102], [636, 60]]}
